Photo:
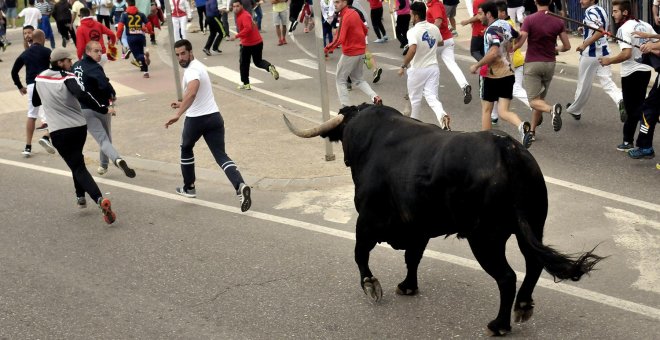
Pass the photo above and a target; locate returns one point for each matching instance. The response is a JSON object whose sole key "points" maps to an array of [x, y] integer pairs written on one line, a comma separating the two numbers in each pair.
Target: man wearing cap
{"points": [[61, 93]]}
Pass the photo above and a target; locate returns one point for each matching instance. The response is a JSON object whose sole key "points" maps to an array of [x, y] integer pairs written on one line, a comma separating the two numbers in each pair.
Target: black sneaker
{"points": [[639, 153], [377, 73], [81, 202], [130, 173], [575, 116], [405, 49], [625, 146], [467, 94], [525, 135], [190, 193], [623, 115], [206, 51], [244, 197], [556, 117], [293, 26]]}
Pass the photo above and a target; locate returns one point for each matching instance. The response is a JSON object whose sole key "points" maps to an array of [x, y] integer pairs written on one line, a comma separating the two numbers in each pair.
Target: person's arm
{"points": [[650, 47], [656, 18], [490, 57], [475, 18], [412, 49], [84, 97], [597, 35], [619, 58], [565, 43], [111, 35], [18, 65], [188, 98], [520, 41]]}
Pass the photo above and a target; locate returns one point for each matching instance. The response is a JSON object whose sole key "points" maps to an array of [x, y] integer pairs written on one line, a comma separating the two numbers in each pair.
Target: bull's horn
{"points": [[315, 131]]}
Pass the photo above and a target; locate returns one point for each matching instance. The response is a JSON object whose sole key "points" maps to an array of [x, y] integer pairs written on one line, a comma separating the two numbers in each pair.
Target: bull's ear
{"points": [[348, 109]]}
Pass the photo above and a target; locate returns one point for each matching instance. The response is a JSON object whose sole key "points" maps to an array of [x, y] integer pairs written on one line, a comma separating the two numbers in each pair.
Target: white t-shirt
{"points": [[625, 32], [32, 16], [204, 102], [426, 36]]}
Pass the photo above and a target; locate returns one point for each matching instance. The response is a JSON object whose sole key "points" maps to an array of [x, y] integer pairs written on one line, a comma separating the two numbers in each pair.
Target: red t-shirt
{"points": [[373, 4], [436, 10], [542, 32], [477, 27]]}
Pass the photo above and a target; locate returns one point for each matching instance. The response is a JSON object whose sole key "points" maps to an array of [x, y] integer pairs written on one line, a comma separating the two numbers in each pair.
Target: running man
{"points": [[36, 59], [61, 95], [593, 47], [351, 36], [252, 46], [422, 65], [635, 76], [202, 119], [93, 78], [495, 68], [136, 27]]}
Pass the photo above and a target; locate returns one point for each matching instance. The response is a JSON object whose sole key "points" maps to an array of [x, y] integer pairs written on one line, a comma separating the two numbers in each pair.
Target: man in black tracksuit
{"points": [[94, 80]]}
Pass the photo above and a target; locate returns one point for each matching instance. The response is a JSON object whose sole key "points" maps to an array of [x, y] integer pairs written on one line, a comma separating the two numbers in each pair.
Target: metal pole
{"points": [[175, 63], [320, 54]]}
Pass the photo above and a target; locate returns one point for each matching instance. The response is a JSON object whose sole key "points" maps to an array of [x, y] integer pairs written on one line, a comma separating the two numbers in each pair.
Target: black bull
{"points": [[414, 181]]}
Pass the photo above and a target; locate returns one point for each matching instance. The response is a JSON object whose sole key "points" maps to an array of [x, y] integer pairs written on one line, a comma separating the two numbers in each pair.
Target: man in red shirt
{"points": [[437, 15], [252, 46], [89, 30], [351, 37], [477, 42]]}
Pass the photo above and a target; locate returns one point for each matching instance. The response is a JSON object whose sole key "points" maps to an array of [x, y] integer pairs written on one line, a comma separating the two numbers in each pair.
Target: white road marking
{"points": [[309, 63], [641, 237], [286, 74], [231, 75], [549, 284], [336, 204]]}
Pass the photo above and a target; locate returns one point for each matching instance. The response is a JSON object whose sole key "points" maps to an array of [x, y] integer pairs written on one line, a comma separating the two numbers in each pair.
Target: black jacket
{"points": [[94, 81], [35, 59]]}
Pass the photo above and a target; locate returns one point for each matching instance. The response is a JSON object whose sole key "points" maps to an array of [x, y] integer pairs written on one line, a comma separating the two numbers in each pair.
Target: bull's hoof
{"points": [[497, 329], [523, 311], [402, 290], [372, 288]]}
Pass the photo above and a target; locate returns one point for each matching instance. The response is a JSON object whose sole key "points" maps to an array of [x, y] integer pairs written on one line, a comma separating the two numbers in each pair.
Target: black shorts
{"points": [[492, 89]]}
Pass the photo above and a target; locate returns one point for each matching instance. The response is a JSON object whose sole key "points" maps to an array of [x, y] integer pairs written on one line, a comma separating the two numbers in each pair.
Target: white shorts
{"points": [[33, 112]]}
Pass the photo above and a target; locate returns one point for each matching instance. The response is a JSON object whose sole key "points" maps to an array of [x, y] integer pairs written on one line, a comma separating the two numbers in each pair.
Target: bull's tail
{"points": [[560, 266]]}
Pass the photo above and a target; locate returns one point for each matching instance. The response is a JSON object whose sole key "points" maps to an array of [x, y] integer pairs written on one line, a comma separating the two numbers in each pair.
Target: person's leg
{"points": [[447, 55], [633, 91], [477, 47], [649, 118], [261, 63], [201, 10], [277, 22], [518, 90], [97, 126], [604, 74], [213, 32], [486, 109], [214, 135], [470, 9], [224, 17], [176, 27], [220, 34], [192, 131], [373, 22], [259, 16], [341, 80], [415, 85], [586, 72], [69, 144], [358, 80], [244, 63], [431, 84]]}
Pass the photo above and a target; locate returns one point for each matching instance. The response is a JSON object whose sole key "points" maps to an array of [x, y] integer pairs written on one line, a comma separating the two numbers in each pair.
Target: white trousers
{"points": [[468, 6], [351, 66], [446, 53], [516, 13], [424, 82], [588, 68], [179, 25]]}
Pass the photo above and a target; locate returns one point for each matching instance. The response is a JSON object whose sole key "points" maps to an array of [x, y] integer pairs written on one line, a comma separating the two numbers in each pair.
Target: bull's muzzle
{"points": [[315, 131]]}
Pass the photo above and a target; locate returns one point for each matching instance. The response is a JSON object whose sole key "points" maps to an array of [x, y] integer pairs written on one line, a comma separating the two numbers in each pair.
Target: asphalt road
{"points": [[177, 268]]}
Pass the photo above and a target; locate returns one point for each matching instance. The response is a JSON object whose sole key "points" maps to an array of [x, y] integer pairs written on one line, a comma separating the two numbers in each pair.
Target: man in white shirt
{"points": [[635, 76], [203, 119], [422, 65], [32, 15]]}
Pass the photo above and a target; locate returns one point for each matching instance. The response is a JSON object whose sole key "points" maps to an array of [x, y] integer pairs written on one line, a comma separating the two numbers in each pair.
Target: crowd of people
{"points": [[72, 99]]}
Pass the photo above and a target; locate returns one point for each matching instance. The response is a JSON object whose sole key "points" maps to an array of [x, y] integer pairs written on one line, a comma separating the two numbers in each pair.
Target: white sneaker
{"points": [[101, 170], [26, 153], [379, 41], [45, 142]]}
